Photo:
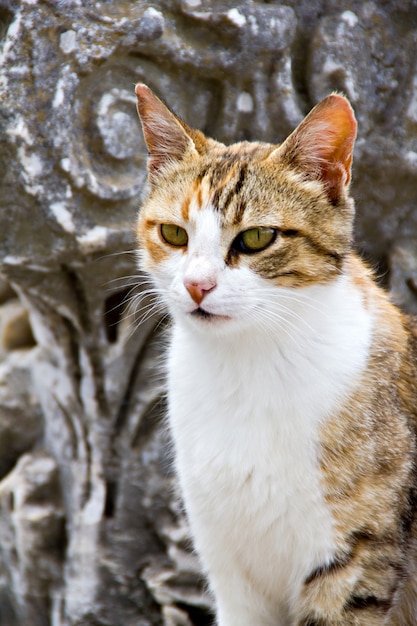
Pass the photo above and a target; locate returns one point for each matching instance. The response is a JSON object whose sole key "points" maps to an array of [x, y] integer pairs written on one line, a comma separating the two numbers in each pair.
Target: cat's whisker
{"points": [[289, 313], [131, 279], [273, 306], [132, 300], [150, 289], [271, 328], [269, 296], [159, 318], [138, 301], [274, 316], [124, 304], [116, 254], [274, 322], [142, 293], [302, 299], [130, 297], [156, 309]]}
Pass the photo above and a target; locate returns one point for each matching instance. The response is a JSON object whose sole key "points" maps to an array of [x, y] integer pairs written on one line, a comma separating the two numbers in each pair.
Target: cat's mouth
{"points": [[205, 315]]}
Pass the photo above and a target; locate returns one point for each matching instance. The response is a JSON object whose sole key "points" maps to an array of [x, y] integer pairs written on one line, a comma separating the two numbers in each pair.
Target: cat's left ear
{"points": [[167, 137], [321, 147]]}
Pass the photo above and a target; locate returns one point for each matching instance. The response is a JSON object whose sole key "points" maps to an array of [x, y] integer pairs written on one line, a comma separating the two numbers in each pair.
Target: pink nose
{"points": [[199, 289]]}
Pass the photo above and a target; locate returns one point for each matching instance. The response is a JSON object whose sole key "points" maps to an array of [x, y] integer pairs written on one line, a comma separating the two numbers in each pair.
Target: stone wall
{"points": [[91, 532]]}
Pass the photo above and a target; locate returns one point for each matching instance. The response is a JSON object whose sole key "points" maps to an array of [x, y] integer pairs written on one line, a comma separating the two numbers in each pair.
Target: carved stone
{"points": [[91, 531]]}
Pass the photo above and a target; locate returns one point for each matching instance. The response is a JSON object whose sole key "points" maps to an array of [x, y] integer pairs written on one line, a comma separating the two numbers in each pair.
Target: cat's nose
{"points": [[199, 289]]}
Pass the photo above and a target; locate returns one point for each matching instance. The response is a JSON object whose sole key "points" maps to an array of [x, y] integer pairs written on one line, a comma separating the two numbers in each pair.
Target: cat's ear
{"points": [[321, 147], [167, 137]]}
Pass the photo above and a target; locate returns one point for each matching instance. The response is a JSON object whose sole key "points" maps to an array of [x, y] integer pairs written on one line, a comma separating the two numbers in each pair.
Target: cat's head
{"points": [[227, 230]]}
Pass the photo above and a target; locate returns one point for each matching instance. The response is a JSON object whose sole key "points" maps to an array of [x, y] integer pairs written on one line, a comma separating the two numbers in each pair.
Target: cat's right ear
{"points": [[167, 138]]}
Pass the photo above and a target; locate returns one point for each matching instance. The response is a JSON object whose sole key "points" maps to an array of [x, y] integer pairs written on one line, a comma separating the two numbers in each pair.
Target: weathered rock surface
{"points": [[91, 532]]}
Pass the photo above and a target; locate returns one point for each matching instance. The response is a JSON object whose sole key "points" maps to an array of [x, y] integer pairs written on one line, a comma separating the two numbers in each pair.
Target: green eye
{"points": [[174, 235], [255, 239]]}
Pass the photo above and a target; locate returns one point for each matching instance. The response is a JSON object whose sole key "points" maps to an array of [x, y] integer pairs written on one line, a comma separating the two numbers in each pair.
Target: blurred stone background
{"points": [[91, 532]]}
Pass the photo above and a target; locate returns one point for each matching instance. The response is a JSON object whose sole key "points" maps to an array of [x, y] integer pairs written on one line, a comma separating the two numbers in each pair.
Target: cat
{"points": [[292, 378]]}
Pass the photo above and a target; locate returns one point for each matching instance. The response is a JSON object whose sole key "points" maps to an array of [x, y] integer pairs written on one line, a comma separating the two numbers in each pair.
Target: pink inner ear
{"points": [[165, 137], [162, 132], [335, 146], [146, 103], [322, 145]]}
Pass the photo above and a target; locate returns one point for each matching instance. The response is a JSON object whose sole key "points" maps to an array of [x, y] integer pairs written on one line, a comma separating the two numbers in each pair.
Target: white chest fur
{"points": [[245, 413]]}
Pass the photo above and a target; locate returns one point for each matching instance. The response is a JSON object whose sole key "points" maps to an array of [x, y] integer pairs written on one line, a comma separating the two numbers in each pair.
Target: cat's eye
{"points": [[255, 239], [174, 235]]}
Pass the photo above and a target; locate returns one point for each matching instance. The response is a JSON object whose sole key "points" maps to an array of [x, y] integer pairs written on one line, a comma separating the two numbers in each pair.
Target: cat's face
{"points": [[229, 234]]}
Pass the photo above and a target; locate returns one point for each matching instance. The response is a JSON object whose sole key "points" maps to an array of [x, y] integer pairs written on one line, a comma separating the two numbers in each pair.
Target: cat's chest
{"points": [[247, 408], [243, 416], [251, 401], [246, 439]]}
